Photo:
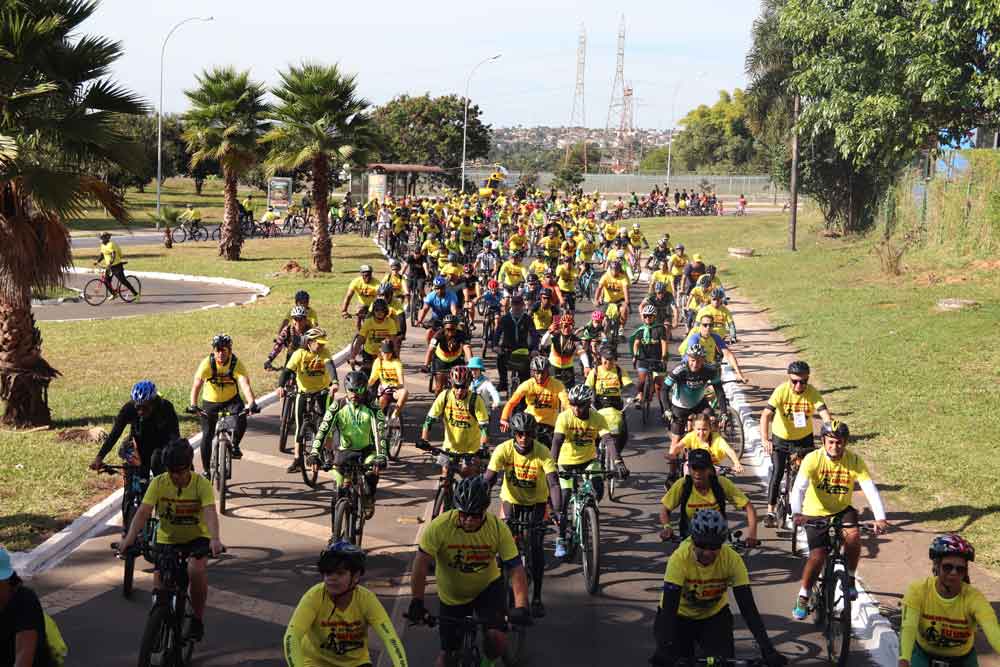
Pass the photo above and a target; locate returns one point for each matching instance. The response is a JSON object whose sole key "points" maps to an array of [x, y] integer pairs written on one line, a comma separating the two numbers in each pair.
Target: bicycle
{"points": [[470, 654], [783, 508], [393, 428], [348, 510], [134, 489], [287, 418], [489, 326], [829, 599], [649, 388], [729, 424], [416, 288], [193, 230], [456, 462], [104, 287], [220, 468], [524, 531], [584, 527], [164, 643], [315, 408]]}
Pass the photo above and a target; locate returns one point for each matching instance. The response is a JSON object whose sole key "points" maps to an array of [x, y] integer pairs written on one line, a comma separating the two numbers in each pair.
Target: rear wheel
{"points": [[734, 431], [394, 432], [647, 397], [310, 473], [611, 482], [201, 234], [287, 405], [130, 555], [158, 639], [178, 234], [591, 548], [94, 292], [223, 464], [124, 292]]}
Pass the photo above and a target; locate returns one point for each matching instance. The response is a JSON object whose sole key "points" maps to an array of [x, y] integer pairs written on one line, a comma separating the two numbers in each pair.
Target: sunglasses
{"points": [[948, 568], [463, 516], [708, 547], [450, 329], [705, 324], [648, 317], [358, 390], [798, 381]]}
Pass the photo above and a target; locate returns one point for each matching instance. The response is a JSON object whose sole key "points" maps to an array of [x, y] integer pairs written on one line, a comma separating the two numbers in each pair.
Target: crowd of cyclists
{"points": [[532, 398]]}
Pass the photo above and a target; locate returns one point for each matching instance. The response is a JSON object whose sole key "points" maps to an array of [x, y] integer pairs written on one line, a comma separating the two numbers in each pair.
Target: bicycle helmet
{"points": [[696, 351], [178, 454], [440, 281], [635, 225], [302, 296], [380, 304], [718, 293], [581, 394], [648, 309], [679, 246], [387, 346], [105, 236], [453, 258], [549, 272], [699, 458], [704, 281], [472, 495], [532, 278], [476, 363], [522, 422], [569, 234], [356, 381], [460, 376], [545, 292], [539, 365], [222, 340], [597, 316], [384, 290], [608, 352], [395, 264], [298, 313], [492, 284], [660, 286], [567, 319], [317, 334], [835, 428], [451, 319], [708, 529], [365, 269], [143, 392], [341, 553], [951, 545], [711, 269], [798, 368]]}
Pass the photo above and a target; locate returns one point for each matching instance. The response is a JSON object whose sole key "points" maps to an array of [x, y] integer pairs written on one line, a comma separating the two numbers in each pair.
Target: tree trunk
{"points": [[199, 183], [24, 374], [230, 238], [321, 246]]}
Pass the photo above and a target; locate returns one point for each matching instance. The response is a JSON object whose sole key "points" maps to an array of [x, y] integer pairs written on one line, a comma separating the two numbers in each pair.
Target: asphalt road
{"points": [[158, 296], [276, 527]]}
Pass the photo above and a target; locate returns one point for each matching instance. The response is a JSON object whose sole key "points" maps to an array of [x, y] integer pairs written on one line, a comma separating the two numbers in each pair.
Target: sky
{"points": [[678, 53]]}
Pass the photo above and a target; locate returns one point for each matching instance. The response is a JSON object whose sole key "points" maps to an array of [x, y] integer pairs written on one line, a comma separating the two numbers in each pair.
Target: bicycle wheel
{"points": [[342, 519], [287, 407], [442, 501], [590, 551], [358, 523], [178, 235], [221, 478], [611, 483], [201, 234], [310, 473], [95, 292], [124, 292], [734, 431], [158, 638], [216, 233], [838, 628], [647, 397], [128, 576], [394, 435]]}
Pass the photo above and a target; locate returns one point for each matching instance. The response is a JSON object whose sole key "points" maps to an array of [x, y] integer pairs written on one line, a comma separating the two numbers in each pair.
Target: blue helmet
{"points": [[143, 392], [440, 281]]}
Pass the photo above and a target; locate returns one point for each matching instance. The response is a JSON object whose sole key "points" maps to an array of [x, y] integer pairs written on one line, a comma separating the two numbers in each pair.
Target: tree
{"points": [[717, 138], [426, 130], [655, 160], [224, 123], [320, 121], [568, 178], [58, 109]]}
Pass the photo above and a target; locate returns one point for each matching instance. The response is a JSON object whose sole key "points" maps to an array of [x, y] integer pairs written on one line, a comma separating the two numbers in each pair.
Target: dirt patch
{"points": [[986, 265], [292, 268], [82, 435]]}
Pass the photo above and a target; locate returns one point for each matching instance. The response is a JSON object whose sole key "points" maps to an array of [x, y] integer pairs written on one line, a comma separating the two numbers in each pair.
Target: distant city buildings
{"points": [[559, 137]]}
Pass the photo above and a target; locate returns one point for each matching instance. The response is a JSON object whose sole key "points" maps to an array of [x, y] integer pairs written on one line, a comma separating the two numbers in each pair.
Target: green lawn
{"points": [[45, 483], [918, 387]]}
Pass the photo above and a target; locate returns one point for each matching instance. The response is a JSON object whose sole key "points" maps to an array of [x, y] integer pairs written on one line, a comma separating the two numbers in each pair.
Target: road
{"points": [[158, 296], [277, 526]]}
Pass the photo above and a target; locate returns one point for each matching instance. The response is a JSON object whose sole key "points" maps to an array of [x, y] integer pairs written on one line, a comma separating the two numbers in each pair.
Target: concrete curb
{"points": [[871, 630], [55, 302]]}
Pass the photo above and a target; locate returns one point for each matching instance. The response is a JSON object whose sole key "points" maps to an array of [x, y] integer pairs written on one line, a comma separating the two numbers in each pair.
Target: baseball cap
{"points": [[6, 569], [699, 458]]}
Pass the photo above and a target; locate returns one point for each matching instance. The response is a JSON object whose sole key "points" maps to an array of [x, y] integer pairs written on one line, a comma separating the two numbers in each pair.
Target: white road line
{"points": [[86, 589]]}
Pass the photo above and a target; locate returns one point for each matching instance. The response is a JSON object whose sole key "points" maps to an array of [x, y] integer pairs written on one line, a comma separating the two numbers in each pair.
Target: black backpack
{"points": [[215, 369], [720, 500]]}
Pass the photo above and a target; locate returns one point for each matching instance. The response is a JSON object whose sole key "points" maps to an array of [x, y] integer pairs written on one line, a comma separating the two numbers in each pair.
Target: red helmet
{"points": [[492, 284], [597, 316], [460, 376]]}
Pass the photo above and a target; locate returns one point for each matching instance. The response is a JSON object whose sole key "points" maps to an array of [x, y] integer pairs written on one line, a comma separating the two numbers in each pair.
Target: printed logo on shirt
{"points": [[704, 592], [344, 637], [470, 558]]}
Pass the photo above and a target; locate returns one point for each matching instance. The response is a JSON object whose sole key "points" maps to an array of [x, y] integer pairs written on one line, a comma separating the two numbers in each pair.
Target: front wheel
{"points": [[838, 633], [310, 473], [734, 432], [343, 520], [224, 465], [442, 501], [159, 639], [95, 292], [590, 548], [394, 433], [287, 405], [612, 481], [178, 234]]}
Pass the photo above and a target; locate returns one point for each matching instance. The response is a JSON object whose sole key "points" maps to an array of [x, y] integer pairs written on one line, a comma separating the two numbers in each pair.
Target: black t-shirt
{"points": [[649, 338], [23, 613], [454, 345], [415, 262]]}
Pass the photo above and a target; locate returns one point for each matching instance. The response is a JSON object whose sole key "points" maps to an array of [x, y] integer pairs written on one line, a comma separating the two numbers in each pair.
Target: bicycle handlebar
{"points": [[455, 456], [570, 474]]}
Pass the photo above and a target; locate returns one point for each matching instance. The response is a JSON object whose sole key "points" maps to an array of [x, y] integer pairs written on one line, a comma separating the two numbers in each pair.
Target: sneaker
{"points": [[770, 521], [560, 548], [196, 629], [295, 467], [236, 453], [537, 608], [801, 608], [207, 475]]}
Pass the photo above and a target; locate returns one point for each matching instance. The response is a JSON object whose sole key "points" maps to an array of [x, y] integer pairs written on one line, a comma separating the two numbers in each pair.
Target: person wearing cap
{"points": [[400, 293], [316, 380], [24, 637], [484, 387], [365, 287], [693, 270], [113, 262]]}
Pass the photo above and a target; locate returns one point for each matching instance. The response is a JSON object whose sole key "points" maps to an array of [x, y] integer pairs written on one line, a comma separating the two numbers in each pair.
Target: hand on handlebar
{"points": [[254, 408], [417, 613], [97, 463], [666, 533], [346, 315], [192, 410]]}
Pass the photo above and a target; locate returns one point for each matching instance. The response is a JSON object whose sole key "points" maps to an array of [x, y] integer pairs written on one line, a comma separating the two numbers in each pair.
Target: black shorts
{"points": [[438, 365], [678, 425], [818, 537], [796, 446], [712, 636], [490, 605], [197, 544]]}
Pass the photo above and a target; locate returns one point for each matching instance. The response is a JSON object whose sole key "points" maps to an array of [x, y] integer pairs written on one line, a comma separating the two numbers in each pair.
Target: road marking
{"points": [[386, 482], [251, 607], [276, 520], [84, 590]]}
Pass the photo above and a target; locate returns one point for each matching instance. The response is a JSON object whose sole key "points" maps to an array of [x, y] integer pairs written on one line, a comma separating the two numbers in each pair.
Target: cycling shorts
{"points": [[819, 537], [650, 365], [440, 366], [678, 425], [490, 605]]}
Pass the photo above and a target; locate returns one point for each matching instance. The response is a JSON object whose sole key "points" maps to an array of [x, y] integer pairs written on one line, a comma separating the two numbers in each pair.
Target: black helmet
{"points": [[708, 529], [105, 235], [302, 295], [222, 340], [384, 290], [798, 368], [472, 496], [178, 454], [699, 458], [380, 304], [341, 552], [539, 364], [356, 381], [608, 352], [837, 429], [451, 319], [522, 422]]}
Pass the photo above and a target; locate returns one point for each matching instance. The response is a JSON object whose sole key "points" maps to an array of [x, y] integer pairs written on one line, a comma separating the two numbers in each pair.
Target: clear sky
{"points": [[407, 46]]}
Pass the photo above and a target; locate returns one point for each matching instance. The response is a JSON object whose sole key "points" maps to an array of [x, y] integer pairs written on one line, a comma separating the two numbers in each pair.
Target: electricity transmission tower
{"points": [[578, 114], [620, 119]]}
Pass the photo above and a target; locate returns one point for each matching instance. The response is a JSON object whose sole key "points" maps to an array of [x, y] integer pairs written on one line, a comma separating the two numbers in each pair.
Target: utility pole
{"points": [[794, 185]]}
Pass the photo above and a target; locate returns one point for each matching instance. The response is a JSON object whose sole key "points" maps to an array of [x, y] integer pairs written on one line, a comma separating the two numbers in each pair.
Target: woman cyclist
{"points": [[564, 345], [448, 348]]}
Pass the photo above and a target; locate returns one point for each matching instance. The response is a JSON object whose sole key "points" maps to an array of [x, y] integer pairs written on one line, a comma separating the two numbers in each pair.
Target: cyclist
{"points": [[608, 382], [591, 334], [302, 299], [636, 239], [375, 329], [387, 373], [365, 287], [786, 427], [461, 410], [441, 302], [191, 215], [649, 350], [359, 436], [613, 289], [544, 397], [823, 489], [693, 270], [114, 264], [564, 345], [400, 292], [515, 336], [945, 597], [529, 480], [512, 275], [715, 347], [702, 489], [543, 311], [487, 261], [290, 336], [329, 626], [448, 348], [492, 299], [566, 276], [219, 380], [677, 263], [468, 545], [152, 423], [722, 319], [574, 448], [688, 382], [472, 292], [662, 299], [692, 612], [185, 506], [28, 636], [703, 437], [662, 275], [316, 380], [269, 222]]}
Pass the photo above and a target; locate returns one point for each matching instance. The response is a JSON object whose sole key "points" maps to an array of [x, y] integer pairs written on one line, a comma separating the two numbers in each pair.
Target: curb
{"points": [[870, 629]]}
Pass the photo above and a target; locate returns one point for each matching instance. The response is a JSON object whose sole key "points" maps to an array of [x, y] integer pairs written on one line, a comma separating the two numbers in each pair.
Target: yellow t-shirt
{"points": [[566, 278], [610, 231], [580, 445], [430, 247], [551, 244], [461, 427], [398, 288], [516, 242], [586, 250], [544, 401], [716, 448], [677, 264], [541, 318], [831, 483], [111, 253], [704, 588], [703, 501], [332, 636], [712, 352], [466, 562], [614, 288], [366, 291], [662, 277], [310, 369], [524, 480], [607, 382], [374, 332], [180, 514], [512, 273], [721, 318], [699, 299], [635, 238], [793, 412], [389, 373], [946, 627], [222, 387], [467, 232]]}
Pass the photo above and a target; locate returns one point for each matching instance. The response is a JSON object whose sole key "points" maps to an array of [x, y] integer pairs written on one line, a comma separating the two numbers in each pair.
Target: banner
{"points": [[279, 192]]}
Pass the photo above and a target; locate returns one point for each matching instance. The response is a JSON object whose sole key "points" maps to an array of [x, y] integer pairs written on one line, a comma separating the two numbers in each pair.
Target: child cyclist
{"points": [[330, 624]]}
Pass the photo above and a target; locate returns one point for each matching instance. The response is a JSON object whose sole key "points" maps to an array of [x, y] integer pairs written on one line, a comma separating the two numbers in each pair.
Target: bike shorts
{"points": [[344, 456], [197, 544], [801, 446], [490, 605], [921, 658], [616, 402], [678, 425], [650, 365], [819, 537], [439, 365], [712, 636]]}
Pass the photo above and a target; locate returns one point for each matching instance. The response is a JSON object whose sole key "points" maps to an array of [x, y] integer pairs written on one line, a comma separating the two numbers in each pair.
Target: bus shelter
{"points": [[382, 179]]}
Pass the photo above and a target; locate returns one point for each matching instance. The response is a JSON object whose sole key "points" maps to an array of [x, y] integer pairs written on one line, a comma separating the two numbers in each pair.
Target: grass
{"points": [[917, 386], [54, 292], [45, 483]]}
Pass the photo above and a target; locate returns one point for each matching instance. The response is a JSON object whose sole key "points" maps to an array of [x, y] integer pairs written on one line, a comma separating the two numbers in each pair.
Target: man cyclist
{"points": [[468, 545], [544, 397], [387, 373], [516, 332], [365, 287], [613, 289], [448, 348], [722, 319], [329, 627], [677, 263], [688, 382], [715, 347], [379, 326], [114, 264], [316, 380], [191, 215], [289, 337], [529, 480], [694, 606], [185, 506], [649, 349], [219, 380], [461, 410], [441, 302]]}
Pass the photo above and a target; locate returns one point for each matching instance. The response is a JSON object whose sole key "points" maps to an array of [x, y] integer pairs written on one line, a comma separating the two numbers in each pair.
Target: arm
{"points": [[765, 428], [387, 633], [908, 633], [555, 491], [347, 300], [751, 525], [212, 523], [557, 442], [246, 389], [665, 530], [875, 500], [196, 390], [25, 646], [731, 358], [138, 521], [418, 579], [509, 408], [748, 608], [302, 619], [519, 582], [121, 421], [798, 493], [331, 370]]}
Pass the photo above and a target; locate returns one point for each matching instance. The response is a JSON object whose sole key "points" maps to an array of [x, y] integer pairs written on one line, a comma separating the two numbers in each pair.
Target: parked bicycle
{"points": [[104, 287]]}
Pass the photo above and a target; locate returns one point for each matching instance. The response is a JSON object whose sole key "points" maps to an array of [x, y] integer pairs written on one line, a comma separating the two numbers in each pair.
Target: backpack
{"points": [[229, 371], [720, 500]]}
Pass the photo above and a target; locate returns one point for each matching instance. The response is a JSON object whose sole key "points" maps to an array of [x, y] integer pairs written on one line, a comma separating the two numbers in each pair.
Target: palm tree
{"points": [[769, 67], [319, 121], [58, 112], [224, 123]]}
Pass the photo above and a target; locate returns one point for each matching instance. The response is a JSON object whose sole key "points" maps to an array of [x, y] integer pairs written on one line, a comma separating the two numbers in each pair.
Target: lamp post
{"points": [[465, 121], [159, 111]]}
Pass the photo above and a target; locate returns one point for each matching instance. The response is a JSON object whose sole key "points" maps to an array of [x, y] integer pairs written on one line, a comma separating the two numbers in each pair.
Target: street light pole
{"points": [[465, 121], [159, 112]]}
